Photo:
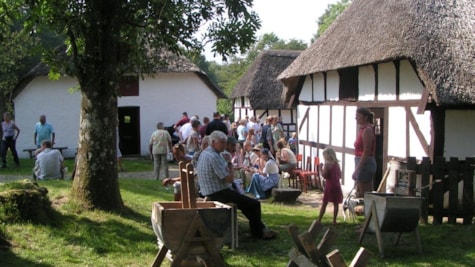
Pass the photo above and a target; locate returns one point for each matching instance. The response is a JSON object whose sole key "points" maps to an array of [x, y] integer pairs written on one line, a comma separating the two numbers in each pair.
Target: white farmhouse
{"points": [[180, 86]]}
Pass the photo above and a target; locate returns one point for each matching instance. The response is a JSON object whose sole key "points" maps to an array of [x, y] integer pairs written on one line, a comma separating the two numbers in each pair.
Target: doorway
{"points": [[129, 130], [379, 157]]}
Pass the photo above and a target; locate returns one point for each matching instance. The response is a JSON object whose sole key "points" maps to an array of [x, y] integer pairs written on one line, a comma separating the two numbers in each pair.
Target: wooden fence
{"points": [[440, 177]]}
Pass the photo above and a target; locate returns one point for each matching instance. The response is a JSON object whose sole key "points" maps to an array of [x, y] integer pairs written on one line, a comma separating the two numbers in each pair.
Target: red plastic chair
{"points": [[294, 178], [310, 177]]}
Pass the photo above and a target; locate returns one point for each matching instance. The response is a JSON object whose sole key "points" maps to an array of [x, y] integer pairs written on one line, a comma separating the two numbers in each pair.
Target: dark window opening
{"points": [[129, 86], [348, 84]]}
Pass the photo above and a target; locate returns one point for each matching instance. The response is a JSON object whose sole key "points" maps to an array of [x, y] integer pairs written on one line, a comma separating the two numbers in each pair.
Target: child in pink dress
{"points": [[332, 174]]}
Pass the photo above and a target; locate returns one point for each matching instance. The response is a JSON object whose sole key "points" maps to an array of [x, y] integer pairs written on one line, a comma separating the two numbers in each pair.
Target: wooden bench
{"points": [[31, 150], [287, 195]]}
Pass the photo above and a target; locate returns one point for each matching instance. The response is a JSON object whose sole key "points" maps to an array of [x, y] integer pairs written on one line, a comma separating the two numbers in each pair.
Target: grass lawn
{"points": [[96, 238]]}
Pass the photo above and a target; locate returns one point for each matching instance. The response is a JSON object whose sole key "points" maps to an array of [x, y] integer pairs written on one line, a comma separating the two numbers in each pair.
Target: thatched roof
{"points": [[437, 35], [175, 63], [260, 82]]}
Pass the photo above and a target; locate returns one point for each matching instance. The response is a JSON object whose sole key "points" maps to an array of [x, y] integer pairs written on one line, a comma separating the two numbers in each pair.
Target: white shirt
{"points": [[48, 164], [185, 131], [242, 132]]}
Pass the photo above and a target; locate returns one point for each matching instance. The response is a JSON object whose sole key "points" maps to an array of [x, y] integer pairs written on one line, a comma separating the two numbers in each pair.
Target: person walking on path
{"points": [[10, 135], [332, 174], [159, 145], [43, 131]]}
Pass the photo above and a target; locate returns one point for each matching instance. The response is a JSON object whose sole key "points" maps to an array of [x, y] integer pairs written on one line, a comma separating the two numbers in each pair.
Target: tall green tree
{"points": [[228, 74], [331, 13], [109, 38], [16, 45], [272, 41]]}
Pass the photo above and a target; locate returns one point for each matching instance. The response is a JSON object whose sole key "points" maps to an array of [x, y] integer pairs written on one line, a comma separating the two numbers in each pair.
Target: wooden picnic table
{"points": [[31, 150]]}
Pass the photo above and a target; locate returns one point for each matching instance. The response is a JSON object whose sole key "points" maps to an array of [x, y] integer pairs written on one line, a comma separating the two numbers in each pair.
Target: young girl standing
{"points": [[332, 174]]}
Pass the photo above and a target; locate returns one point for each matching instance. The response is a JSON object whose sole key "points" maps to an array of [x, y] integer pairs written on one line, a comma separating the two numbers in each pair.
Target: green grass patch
{"points": [[97, 238]]}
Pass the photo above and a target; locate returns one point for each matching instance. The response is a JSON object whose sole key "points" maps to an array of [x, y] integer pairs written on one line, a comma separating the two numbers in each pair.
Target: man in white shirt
{"points": [[186, 129], [49, 163]]}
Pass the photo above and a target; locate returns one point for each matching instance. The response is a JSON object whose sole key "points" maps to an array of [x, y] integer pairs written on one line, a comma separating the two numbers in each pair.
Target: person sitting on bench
{"points": [[49, 163], [265, 180]]}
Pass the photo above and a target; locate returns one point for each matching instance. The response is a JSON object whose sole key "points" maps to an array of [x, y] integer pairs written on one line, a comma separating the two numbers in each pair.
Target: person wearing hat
{"points": [[215, 172], [265, 180]]}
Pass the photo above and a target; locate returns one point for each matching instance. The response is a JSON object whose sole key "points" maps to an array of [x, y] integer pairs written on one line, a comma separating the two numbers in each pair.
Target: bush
{"points": [[24, 201]]}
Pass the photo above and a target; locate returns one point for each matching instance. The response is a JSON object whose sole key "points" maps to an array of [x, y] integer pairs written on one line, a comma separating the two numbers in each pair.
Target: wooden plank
{"points": [[335, 259], [361, 258], [438, 171], [453, 189], [185, 200], [412, 169], [310, 246], [299, 259], [315, 228], [424, 170], [293, 231], [190, 181], [157, 262], [467, 199], [328, 240]]}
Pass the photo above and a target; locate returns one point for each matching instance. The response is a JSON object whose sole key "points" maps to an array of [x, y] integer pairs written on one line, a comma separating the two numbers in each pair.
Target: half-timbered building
{"points": [[258, 93], [412, 62]]}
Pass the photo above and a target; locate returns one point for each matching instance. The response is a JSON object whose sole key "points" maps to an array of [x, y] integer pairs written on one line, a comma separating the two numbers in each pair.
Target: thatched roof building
{"points": [[436, 36], [260, 82], [175, 63]]}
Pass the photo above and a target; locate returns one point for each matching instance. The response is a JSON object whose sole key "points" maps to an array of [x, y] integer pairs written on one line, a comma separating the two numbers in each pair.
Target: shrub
{"points": [[24, 201]]}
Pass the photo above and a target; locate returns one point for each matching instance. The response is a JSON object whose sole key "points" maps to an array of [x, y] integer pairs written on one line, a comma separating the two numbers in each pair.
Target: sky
{"points": [[289, 19]]}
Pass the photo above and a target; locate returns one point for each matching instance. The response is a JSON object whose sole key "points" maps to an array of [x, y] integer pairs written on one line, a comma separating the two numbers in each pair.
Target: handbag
{"points": [[170, 156]]}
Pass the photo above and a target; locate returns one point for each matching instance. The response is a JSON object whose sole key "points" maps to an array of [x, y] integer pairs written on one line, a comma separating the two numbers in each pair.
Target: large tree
{"points": [[107, 39], [331, 13], [15, 56]]}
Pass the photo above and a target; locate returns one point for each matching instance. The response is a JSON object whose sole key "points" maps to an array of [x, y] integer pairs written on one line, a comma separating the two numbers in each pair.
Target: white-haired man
{"points": [[215, 172]]}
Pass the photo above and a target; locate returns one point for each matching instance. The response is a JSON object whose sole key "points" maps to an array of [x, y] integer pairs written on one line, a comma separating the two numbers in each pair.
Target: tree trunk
{"points": [[96, 183]]}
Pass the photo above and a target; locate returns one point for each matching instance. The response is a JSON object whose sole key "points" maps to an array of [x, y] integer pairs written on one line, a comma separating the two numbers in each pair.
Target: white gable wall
{"points": [[165, 98], [386, 81], [306, 93], [162, 98], [61, 107], [366, 83], [410, 87], [459, 143], [333, 81]]}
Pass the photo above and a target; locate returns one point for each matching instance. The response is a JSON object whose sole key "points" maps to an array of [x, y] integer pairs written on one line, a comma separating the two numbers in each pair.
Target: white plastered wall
{"points": [[160, 99]]}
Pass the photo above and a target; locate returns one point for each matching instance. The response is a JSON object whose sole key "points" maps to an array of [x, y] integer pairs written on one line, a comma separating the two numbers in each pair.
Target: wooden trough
{"points": [[391, 213], [191, 232]]}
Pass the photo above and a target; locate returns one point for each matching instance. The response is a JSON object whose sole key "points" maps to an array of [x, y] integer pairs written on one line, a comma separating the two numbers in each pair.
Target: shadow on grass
{"points": [[99, 233], [8, 258]]}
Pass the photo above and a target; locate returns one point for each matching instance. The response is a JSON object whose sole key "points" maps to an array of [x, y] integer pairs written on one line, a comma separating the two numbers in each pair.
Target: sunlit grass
{"points": [[97, 238]]}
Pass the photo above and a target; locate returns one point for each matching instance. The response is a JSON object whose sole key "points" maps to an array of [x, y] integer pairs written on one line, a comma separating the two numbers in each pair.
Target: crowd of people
{"points": [[237, 162], [230, 162], [49, 163], [256, 154]]}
